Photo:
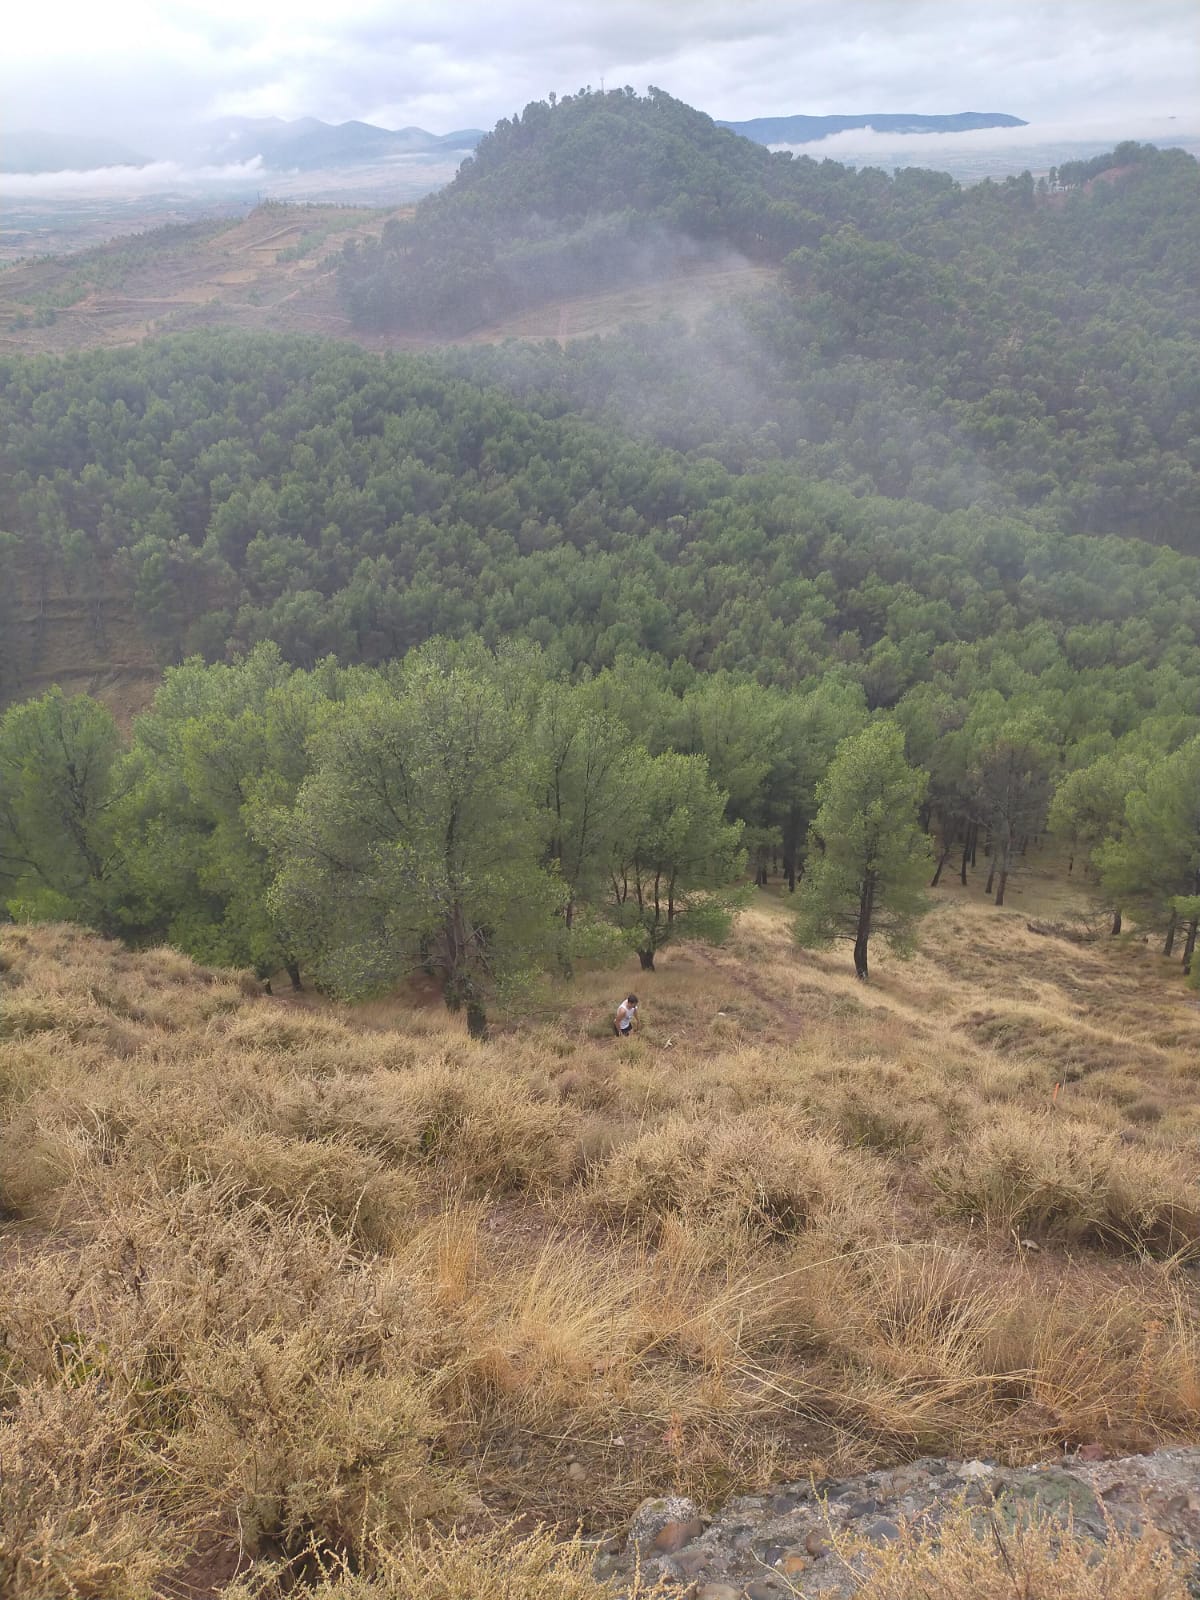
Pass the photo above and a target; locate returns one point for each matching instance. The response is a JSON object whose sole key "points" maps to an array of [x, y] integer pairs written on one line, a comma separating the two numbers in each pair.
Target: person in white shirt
{"points": [[626, 1019]]}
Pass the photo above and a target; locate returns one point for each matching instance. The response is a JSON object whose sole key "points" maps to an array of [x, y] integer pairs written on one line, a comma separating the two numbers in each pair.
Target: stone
{"points": [[762, 1589], [1091, 1452], [717, 1591], [694, 1561], [672, 1518], [781, 1504], [882, 1531], [975, 1469], [818, 1544], [576, 1472], [672, 1536], [792, 1563]]}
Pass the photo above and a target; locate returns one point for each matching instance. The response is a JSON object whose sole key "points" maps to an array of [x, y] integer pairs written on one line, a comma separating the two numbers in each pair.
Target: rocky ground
{"points": [[787, 1543]]}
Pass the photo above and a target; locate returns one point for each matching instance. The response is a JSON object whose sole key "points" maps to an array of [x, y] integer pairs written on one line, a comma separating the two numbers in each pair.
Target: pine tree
{"points": [[868, 855]]}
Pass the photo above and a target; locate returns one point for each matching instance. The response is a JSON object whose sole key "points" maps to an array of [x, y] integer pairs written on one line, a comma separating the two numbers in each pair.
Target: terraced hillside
{"points": [[275, 271]]}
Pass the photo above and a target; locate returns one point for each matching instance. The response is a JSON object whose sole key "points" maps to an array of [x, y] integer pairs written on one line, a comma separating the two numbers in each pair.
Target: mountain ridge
{"points": [[33, 150], [802, 129], [307, 142]]}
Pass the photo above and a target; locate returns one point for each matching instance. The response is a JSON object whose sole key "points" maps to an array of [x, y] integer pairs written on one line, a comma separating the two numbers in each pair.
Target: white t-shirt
{"points": [[626, 1014]]}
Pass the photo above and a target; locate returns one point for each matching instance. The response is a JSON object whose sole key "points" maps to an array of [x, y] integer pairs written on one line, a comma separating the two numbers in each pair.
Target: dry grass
{"points": [[976, 1557], [297, 1277]]}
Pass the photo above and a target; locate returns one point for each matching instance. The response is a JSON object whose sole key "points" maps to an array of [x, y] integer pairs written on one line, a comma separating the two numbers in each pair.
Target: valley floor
{"points": [[282, 1276]]}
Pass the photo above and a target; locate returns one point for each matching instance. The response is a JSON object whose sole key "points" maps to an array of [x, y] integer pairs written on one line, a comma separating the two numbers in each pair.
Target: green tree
{"points": [[1011, 780], [213, 771], [59, 851], [587, 779], [678, 851], [1156, 860], [1088, 809], [417, 841], [868, 854]]}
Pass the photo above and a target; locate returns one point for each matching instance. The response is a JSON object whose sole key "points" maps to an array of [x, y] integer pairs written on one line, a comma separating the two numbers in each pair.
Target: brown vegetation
{"points": [[272, 272], [293, 1280]]}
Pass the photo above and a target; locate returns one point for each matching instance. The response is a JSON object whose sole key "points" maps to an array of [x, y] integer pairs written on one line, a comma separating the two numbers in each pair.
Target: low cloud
{"points": [[157, 178], [1041, 143]]}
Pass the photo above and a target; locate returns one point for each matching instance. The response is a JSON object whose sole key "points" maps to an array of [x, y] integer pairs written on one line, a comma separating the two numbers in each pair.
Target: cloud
{"points": [[134, 66], [160, 177], [864, 146]]}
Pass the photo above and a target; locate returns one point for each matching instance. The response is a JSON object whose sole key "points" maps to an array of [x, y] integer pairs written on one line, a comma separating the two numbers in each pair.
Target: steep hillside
{"points": [[279, 1274], [1035, 342]]}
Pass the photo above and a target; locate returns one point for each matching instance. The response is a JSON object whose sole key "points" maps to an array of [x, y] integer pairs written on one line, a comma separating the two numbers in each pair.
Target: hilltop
{"points": [[278, 1271]]}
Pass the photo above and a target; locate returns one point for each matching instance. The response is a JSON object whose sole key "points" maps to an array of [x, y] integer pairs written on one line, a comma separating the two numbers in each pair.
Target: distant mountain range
{"points": [[808, 130], [31, 150], [309, 144]]}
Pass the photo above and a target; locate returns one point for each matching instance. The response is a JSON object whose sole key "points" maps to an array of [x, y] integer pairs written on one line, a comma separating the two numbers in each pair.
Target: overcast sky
{"points": [[130, 68]]}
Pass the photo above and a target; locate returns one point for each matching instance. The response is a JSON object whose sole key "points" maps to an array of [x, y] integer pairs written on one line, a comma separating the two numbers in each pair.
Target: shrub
{"points": [[305, 1447], [775, 1177], [1035, 1176], [975, 1557]]}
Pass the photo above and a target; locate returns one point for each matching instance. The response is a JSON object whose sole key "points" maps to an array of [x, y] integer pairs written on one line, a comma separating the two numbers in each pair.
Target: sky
{"points": [[137, 69]]}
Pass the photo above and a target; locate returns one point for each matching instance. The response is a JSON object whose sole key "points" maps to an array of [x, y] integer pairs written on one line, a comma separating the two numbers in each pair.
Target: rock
{"points": [[664, 1525], [882, 1531], [576, 1472], [672, 1536], [1091, 1452], [714, 1559], [694, 1562], [781, 1504]]}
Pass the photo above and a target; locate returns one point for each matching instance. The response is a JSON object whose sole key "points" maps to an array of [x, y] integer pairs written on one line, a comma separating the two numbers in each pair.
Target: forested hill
{"points": [[239, 490], [1030, 346]]}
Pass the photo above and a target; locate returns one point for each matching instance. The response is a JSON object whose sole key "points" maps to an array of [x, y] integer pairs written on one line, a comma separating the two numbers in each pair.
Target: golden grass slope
{"points": [[289, 1280]]}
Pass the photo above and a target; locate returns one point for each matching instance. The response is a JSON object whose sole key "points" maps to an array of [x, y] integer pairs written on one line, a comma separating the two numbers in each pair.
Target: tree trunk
{"points": [[1170, 940], [1005, 852], [968, 847], [646, 957], [292, 968], [987, 888], [1189, 947], [936, 879], [1116, 923], [866, 903], [1070, 864], [476, 1020]]}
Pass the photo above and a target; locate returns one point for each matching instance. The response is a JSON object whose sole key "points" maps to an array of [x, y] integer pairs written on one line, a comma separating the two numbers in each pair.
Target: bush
{"points": [[775, 1178], [975, 1558], [1039, 1177]]}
